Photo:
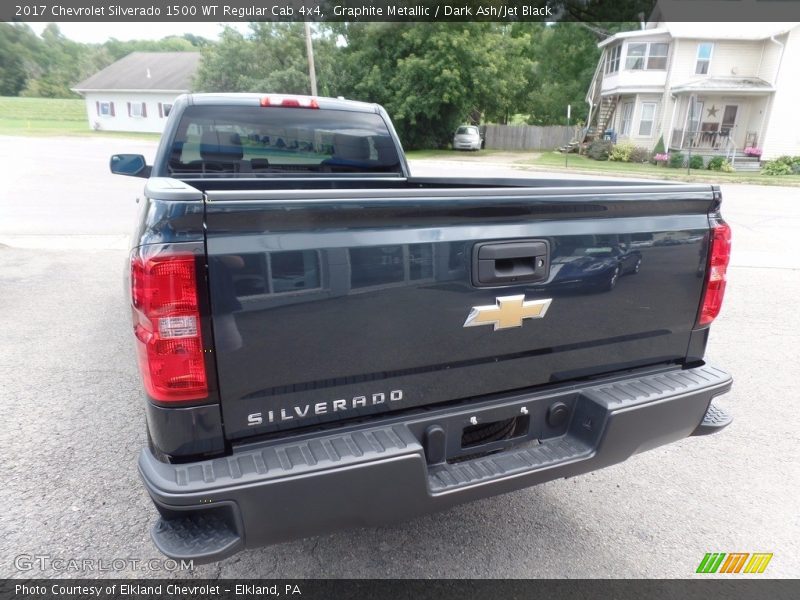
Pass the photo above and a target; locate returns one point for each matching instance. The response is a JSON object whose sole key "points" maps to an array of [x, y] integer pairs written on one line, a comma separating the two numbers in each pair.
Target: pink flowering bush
{"points": [[752, 151], [661, 158]]}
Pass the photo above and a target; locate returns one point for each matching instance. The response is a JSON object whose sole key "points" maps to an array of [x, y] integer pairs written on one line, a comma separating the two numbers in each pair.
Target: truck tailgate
{"points": [[338, 304]]}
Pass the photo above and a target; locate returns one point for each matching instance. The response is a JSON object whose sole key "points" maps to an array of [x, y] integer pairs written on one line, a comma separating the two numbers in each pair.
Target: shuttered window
{"points": [[137, 109], [104, 109]]}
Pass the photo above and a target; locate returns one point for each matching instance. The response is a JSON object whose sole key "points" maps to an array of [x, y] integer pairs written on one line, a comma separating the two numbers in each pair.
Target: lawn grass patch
{"points": [[554, 161], [52, 117]]}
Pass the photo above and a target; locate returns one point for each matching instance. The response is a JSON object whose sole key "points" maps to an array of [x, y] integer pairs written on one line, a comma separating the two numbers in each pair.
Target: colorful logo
{"points": [[734, 562]]}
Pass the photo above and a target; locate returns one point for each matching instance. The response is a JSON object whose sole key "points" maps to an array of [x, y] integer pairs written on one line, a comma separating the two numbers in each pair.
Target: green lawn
{"points": [[51, 116], [554, 161]]}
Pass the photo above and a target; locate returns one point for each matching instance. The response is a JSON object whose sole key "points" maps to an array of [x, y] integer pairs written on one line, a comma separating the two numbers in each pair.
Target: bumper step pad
{"points": [[453, 475], [195, 535], [715, 420]]}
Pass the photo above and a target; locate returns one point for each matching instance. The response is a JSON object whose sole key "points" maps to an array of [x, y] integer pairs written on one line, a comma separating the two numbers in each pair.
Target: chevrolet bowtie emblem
{"points": [[508, 311]]}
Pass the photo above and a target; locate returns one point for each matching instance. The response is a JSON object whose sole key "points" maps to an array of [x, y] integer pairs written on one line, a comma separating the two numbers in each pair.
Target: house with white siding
{"points": [[705, 87], [136, 92]]}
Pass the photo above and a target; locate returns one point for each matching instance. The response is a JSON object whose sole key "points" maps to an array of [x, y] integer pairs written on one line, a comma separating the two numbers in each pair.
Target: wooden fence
{"points": [[527, 137]]}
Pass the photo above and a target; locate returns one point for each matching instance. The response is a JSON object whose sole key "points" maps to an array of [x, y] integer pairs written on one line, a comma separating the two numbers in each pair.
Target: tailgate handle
{"points": [[510, 263]]}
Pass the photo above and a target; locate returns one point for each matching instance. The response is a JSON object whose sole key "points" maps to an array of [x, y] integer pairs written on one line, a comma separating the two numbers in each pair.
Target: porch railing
{"points": [[730, 146], [704, 140]]}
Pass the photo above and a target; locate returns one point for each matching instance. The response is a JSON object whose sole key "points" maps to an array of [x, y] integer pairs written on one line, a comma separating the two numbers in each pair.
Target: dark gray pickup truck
{"points": [[326, 341]]}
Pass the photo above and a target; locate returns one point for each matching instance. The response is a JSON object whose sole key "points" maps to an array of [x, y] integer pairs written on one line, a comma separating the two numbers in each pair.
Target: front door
{"points": [[728, 119]]}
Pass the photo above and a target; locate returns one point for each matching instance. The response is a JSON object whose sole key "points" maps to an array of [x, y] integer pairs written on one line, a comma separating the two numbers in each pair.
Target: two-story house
{"points": [[716, 88]]}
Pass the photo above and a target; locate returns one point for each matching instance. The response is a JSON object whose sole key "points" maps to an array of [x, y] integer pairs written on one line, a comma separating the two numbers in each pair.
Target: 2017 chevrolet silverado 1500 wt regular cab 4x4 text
{"points": [[327, 341]]}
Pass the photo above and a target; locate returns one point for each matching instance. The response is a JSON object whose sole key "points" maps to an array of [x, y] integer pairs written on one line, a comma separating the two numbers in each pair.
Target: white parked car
{"points": [[467, 137]]}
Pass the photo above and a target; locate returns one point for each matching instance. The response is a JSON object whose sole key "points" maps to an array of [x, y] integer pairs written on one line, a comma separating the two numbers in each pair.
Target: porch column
{"points": [[675, 100]]}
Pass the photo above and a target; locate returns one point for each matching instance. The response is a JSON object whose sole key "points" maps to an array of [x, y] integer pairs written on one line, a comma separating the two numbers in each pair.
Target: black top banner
{"points": [[399, 10]]}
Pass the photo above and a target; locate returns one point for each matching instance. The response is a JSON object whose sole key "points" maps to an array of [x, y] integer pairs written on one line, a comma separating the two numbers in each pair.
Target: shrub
{"points": [[621, 152], [696, 162], [639, 155], [676, 160], [726, 167], [787, 160], [752, 151], [775, 167], [599, 149], [660, 149], [715, 164]]}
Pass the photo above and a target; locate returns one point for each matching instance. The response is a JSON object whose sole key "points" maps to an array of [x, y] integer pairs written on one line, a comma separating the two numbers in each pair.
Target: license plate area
{"points": [[479, 434], [486, 430]]}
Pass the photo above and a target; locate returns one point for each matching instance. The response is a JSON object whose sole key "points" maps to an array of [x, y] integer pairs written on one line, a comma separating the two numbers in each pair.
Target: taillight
{"points": [[166, 323], [720, 255], [289, 102]]}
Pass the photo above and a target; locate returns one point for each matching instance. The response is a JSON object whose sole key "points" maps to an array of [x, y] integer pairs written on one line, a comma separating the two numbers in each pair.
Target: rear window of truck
{"points": [[252, 140]]}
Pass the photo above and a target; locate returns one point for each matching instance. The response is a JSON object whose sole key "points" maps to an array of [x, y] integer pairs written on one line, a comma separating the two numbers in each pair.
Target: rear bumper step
{"points": [[715, 420], [374, 475]]}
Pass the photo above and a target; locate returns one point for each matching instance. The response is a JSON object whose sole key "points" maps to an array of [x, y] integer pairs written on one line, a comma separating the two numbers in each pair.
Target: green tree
{"points": [[433, 76], [271, 57], [61, 64], [566, 56], [20, 50]]}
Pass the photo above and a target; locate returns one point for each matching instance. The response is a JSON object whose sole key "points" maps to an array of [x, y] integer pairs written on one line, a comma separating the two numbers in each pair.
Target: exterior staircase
{"points": [[605, 113], [601, 108], [744, 163], [741, 162]]}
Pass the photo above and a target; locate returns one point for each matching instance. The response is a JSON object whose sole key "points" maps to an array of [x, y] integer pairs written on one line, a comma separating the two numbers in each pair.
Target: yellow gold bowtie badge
{"points": [[507, 312]]}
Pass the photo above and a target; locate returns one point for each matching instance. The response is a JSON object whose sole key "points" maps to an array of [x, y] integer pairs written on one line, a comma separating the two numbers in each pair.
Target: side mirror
{"points": [[129, 164]]}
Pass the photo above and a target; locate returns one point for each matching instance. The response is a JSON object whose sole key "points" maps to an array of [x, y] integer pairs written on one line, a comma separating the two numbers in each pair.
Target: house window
{"points": [[625, 120], [612, 59], [646, 119], [137, 109], [166, 108], [646, 56], [657, 57], [636, 56], [704, 52], [105, 109]]}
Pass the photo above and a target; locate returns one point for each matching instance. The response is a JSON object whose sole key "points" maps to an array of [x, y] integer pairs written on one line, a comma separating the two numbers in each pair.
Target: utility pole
{"points": [[312, 73], [569, 137], [691, 134]]}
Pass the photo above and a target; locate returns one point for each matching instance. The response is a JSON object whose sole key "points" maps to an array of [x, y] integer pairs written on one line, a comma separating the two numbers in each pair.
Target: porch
{"points": [[720, 116]]}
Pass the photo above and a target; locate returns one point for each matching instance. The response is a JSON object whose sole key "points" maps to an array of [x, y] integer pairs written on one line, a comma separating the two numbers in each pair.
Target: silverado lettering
{"points": [[323, 407], [286, 253]]}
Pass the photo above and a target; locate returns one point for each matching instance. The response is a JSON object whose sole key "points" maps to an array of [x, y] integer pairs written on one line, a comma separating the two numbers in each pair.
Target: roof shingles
{"points": [[163, 71]]}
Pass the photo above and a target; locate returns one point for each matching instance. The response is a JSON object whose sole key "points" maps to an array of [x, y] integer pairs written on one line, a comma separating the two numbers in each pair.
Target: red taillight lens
{"points": [[720, 255], [166, 323]]}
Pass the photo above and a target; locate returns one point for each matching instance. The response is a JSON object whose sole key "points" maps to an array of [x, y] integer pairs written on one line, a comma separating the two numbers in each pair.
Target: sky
{"points": [[96, 33]]}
